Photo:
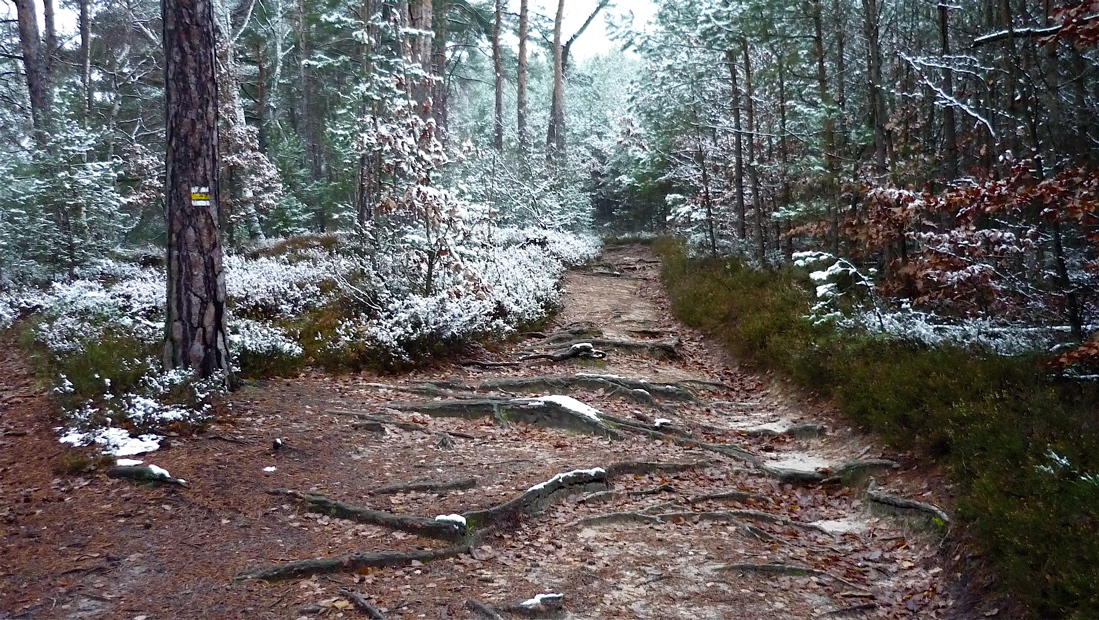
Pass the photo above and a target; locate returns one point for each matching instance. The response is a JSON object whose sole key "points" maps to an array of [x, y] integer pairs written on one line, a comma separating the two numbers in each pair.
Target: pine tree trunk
{"points": [[440, 108], [555, 136], [196, 334], [950, 137], [753, 169], [420, 18], [498, 69], [85, 60], [521, 85], [34, 67], [738, 147], [872, 24]]}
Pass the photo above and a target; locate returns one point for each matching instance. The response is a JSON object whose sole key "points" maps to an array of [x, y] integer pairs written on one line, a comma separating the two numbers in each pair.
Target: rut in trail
{"points": [[613, 459]]}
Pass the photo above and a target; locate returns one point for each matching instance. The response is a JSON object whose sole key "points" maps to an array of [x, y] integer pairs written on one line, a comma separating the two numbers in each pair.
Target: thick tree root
{"points": [[578, 331], [637, 468], [583, 350], [144, 473], [484, 610], [851, 609], [654, 349], [733, 495], [807, 430], [850, 473], [421, 526], [580, 350], [615, 385], [786, 569], [735, 516], [479, 524], [375, 421], [426, 486], [538, 606], [904, 507], [540, 497], [545, 412], [355, 562], [361, 604]]}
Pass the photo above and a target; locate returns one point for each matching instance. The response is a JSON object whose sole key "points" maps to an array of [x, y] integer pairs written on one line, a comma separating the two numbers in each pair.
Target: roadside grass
{"points": [[1021, 444]]}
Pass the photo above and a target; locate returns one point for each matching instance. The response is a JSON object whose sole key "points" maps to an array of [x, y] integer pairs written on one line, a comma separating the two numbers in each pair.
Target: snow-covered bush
{"points": [[334, 305], [846, 297]]}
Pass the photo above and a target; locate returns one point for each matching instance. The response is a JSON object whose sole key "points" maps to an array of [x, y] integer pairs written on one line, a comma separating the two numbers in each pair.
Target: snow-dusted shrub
{"points": [[846, 297], [276, 287], [261, 348], [340, 305]]}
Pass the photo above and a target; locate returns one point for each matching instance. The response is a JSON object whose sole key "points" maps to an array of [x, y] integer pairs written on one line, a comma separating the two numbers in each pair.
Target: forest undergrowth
{"points": [[310, 301], [1020, 439]]}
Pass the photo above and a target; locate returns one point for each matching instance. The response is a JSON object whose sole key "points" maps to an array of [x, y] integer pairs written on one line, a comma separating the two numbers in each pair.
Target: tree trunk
{"points": [[950, 137], [85, 60], [753, 169], [555, 136], [440, 108], [738, 147], [196, 331], [420, 19], [49, 42], [521, 95], [34, 66], [872, 24], [828, 128], [498, 69]]}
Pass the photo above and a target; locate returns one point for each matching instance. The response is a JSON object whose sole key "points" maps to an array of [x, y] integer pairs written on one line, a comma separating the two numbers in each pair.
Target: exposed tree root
{"points": [[851, 472], [786, 569], [534, 411], [574, 332], [807, 430], [421, 526], [374, 421], [735, 516], [659, 349], [361, 604], [355, 562], [583, 350], [858, 471], [540, 497], [851, 609], [580, 350], [144, 473], [733, 495], [637, 468], [484, 610], [539, 606], [618, 386], [426, 486], [906, 507]]}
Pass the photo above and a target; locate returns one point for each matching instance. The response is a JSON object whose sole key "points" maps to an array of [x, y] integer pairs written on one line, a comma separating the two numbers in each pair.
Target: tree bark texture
{"points": [[34, 66], [498, 70], [521, 81], [555, 137], [738, 146], [419, 18], [196, 333]]}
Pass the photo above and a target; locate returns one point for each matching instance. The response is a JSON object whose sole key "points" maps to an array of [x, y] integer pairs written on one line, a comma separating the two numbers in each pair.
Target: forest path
{"points": [[703, 493]]}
